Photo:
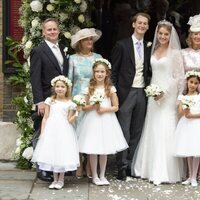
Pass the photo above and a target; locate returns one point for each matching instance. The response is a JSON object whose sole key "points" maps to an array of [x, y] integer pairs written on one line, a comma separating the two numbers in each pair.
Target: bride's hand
{"points": [[158, 97]]}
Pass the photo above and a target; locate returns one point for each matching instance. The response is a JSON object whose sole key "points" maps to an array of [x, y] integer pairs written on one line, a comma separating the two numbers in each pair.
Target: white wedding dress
{"points": [[154, 159]]}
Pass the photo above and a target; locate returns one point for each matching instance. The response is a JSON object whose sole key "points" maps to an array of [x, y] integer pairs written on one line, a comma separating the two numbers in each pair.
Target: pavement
{"points": [[16, 184]]}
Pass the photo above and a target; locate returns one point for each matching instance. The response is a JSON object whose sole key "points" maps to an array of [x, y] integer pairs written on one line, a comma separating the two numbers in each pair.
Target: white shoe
{"points": [[59, 185], [194, 182], [52, 186], [104, 181], [97, 181], [187, 182]]}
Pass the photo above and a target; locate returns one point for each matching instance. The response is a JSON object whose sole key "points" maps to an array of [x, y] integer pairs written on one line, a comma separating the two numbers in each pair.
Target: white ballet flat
{"points": [[97, 181], [53, 184], [104, 181], [186, 182], [59, 185], [194, 182]]}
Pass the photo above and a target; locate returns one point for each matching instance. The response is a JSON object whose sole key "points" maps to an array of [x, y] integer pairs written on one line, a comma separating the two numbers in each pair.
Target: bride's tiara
{"points": [[165, 22]]}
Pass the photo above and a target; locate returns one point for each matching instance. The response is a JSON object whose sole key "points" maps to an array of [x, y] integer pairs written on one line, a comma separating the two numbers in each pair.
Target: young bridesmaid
{"points": [[99, 132], [188, 129], [57, 148]]}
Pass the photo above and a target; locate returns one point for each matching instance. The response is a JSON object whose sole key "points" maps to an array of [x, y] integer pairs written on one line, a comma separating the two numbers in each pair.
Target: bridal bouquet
{"points": [[79, 100], [187, 102], [96, 98], [153, 90]]}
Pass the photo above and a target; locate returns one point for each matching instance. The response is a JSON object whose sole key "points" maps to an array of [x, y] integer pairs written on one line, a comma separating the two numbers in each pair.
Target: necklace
{"points": [[85, 55]]}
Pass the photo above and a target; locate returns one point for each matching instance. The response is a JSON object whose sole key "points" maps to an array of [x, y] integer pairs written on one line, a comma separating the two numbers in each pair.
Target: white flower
{"points": [[74, 29], [24, 38], [79, 100], [25, 100], [28, 44], [192, 73], [63, 16], [83, 6], [67, 34], [53, 1], [18, 142], [77, 1], [65, 50], [149, 44], [81, 18], [50, 7], [61, 78], [17, 150], [35, 23], [96, 98], [187, 102], [153, 90], [36, 6], [28, 153], [103, 60]]}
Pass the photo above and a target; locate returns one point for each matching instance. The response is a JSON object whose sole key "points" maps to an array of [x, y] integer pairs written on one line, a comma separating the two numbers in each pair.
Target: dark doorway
{"points": [[112, 17]]}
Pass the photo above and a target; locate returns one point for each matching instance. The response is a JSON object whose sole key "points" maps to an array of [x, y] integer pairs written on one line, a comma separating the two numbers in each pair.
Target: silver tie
{"points": [[59, 57], [139, 48]]}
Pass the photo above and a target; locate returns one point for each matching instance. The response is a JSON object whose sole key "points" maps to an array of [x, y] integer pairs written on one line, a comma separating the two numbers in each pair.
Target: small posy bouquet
{"points": [[153, 90], [187, 103], [79, 100], [96, 98]]}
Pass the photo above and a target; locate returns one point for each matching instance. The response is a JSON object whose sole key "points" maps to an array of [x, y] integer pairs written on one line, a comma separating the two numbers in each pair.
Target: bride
{"points": [[154, 158]]}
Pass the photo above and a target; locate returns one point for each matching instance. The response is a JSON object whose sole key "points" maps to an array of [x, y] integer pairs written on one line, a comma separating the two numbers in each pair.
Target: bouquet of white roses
{"points": [[187, 102], [153, 90], [96, 98], [79, 100]]}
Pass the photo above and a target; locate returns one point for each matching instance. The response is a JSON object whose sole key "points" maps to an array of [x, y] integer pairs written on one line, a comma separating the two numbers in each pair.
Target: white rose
{"points": [[63, 17], [77, 1], [18, 142], [67, 35], [74, 29], [34, 23], [36, 6], [28, 153], [28, 44], [81, 18], [83, 6], [50, 7]]}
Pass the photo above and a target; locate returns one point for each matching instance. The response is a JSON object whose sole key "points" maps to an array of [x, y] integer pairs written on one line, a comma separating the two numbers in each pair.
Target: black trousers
{"points": [[131, 117]]}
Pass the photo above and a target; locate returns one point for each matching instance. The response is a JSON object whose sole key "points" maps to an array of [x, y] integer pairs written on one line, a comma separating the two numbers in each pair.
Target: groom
{"points": [[131, 73]]}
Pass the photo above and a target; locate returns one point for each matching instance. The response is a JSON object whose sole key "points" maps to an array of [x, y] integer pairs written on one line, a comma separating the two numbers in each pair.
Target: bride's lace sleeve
{"points": [[178, 70]]}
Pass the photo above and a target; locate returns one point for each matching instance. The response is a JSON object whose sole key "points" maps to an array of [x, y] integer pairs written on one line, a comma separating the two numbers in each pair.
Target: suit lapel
{"points": [[49, 53], [131, 50]]}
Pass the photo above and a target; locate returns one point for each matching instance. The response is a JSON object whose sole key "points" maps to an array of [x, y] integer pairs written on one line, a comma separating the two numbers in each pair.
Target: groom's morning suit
{"points": [[44, 67], [130, 74]]}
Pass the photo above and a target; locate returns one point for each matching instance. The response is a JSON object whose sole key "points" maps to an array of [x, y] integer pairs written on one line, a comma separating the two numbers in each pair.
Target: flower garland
{"points": [[72, 16]]}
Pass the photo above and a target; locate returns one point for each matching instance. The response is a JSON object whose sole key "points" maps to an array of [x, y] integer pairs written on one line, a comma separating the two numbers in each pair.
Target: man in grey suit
{"points": [[48, 60], [131, 73]]}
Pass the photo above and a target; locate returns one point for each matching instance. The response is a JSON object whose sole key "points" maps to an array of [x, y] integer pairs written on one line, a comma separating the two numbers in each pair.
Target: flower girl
{"points": [[187, 135], [57, 148], [99, 131]]}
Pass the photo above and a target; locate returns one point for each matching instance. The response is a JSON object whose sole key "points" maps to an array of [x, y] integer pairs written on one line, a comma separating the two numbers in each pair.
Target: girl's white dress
{"points": [[187, 135], [57, 148], [101, 133]]}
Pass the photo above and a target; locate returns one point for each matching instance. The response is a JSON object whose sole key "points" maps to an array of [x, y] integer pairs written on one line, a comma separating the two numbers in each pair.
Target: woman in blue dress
{"points": [[80, 70]]}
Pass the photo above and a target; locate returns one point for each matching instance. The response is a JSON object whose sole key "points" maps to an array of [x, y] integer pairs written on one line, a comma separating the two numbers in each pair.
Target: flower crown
{"points": [[102, 60], [61, 78], [192, 73]]}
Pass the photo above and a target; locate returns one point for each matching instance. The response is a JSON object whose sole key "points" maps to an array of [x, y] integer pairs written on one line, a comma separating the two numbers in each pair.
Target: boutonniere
{"points": [[65, 50], [149, 44]]}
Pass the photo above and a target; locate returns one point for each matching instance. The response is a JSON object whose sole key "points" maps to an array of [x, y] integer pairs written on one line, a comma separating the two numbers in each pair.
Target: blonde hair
{"points": [[189, 40], [107, 82], [67, 94]]}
